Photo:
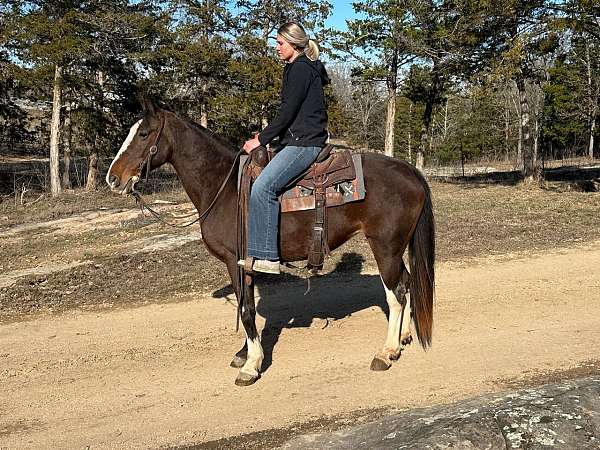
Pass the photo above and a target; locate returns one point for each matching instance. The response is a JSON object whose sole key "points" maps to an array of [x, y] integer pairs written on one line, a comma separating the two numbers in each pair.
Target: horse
{"points": [[395, 214]]}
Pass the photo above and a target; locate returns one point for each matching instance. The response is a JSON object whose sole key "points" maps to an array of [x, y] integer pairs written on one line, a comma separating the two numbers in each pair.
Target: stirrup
{"points": [[247, 263], [266, 266]]}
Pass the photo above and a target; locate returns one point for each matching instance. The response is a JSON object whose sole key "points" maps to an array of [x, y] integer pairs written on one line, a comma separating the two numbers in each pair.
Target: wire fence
{"points": [[33, 175], [18, 175]]}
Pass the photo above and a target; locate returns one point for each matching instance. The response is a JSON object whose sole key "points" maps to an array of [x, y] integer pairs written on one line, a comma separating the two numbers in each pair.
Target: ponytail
{"points": [[295, 35], [312, 50]]}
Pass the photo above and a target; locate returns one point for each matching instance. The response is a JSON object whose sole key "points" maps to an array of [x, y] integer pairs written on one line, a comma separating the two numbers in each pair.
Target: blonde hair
{"points": [[295, 35]]}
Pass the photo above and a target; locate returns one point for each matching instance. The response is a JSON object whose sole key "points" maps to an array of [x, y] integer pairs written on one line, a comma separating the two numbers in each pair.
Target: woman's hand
{"points": [[251, 144]]}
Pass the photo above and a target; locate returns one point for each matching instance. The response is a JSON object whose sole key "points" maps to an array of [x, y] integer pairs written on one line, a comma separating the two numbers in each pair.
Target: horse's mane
{"points": [[223, 142], [217, 139]]}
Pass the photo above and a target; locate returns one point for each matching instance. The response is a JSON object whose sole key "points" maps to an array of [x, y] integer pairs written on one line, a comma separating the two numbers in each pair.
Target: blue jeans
{"points": [[263, 215]]}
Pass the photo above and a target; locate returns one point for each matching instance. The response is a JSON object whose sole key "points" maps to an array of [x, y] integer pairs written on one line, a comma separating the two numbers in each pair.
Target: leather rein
{"points": [[147, 163]]}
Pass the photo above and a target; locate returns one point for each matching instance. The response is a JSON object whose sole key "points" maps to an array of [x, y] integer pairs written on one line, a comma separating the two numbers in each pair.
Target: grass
{"points": [[472, 221], [73, 202], [493, 220]]}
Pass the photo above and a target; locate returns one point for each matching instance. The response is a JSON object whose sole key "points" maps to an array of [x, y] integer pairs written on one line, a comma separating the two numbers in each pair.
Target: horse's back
{"points": [[390, 179]]}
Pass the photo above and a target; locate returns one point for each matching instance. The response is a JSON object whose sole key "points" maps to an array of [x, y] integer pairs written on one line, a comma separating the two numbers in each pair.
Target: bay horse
{"points": [[396, 213]]}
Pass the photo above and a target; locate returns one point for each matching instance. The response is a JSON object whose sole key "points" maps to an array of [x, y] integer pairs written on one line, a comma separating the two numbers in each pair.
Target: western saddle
{"points": [[319, 180]]}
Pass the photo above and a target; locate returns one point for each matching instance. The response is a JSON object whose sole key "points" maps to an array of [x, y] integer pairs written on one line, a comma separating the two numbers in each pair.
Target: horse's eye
{"points": [[144, 134]]}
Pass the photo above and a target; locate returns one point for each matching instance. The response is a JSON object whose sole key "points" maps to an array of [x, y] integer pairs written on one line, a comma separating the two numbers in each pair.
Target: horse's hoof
{"points": [[407, 341], [245, 379], [379, 364], [237, 362]]}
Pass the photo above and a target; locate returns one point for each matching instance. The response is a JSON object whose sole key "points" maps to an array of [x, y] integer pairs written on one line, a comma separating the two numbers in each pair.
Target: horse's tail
{"points": [[422, 260]]}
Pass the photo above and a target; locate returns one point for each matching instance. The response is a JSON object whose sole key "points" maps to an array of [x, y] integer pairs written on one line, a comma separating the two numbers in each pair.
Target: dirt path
{"points": [[158, 375]]}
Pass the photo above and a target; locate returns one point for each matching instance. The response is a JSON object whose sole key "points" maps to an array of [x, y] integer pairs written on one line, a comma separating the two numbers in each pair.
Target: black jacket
{"points": [[302, 116]]}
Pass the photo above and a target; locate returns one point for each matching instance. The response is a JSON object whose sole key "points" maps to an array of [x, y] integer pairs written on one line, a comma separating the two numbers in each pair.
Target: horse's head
{"points": [[144, 149]]}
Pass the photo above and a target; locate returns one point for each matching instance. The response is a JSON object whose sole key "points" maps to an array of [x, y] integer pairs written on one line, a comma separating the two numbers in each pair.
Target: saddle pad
{"points": [[298, 198]]}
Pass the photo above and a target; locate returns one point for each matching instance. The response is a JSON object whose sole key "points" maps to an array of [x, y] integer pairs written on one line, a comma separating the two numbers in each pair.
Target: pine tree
{"points": [[378, 43]]}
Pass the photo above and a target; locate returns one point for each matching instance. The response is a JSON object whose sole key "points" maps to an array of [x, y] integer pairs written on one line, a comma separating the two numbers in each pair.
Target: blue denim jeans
{"points": [[263, 215]]}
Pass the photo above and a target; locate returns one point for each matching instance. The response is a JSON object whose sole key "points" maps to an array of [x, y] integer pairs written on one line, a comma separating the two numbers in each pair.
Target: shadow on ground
{"points": [[283, 304], [578, 178]]}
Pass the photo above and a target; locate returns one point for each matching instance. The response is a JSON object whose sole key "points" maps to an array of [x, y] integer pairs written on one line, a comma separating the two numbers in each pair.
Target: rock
{"points": [[563, 415]]}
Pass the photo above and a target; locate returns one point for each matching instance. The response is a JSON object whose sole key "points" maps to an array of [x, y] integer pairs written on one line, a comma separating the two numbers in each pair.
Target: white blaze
{"points": [[125, 146]]}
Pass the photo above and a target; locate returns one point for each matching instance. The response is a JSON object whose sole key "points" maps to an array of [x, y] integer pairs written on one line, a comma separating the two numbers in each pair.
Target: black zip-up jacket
{"points": [[302, 116]]}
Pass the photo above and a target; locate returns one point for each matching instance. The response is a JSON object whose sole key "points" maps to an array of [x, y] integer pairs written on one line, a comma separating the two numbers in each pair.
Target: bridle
{"points": [[147, 162]]}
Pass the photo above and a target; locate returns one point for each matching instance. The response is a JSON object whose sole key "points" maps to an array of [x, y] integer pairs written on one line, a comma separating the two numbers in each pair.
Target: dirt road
{"points": [[158, 375]]}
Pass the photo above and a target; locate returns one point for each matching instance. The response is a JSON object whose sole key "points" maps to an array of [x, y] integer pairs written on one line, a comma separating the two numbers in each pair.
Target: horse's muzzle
{"points": [[114, 182], [118, 188]]}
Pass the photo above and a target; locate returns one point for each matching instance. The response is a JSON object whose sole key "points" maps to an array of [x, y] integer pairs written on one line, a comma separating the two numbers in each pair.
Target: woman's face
{"points": [[285, 50]]}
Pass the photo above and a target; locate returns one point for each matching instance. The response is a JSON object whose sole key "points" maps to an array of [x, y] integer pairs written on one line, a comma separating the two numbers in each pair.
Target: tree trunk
{"points": [[427, 115], [390, 120], [593, 100], [389, 124], [92, 174], [55, 187], [66, 175], [507, 130], [519, 129], [410, 106], [527, 148], [536, 151], [420, 160], [445, 122], [203, 115], [591, 142]]}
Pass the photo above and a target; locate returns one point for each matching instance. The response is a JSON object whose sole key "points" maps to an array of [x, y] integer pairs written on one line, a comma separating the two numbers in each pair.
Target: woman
{"points": [[301, 125]]}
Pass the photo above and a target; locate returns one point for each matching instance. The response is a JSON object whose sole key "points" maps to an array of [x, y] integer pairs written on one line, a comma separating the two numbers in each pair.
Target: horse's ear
{"points": [[148, 106]]}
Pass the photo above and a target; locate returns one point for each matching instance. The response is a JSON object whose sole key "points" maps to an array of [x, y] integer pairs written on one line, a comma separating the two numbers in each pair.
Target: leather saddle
{"points": [[318, 187], [330, 168]]}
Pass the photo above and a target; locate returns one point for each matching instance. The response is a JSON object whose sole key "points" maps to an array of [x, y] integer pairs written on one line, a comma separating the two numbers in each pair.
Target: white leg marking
{"points": [[392, 342], [125, 146], [255, 357]]}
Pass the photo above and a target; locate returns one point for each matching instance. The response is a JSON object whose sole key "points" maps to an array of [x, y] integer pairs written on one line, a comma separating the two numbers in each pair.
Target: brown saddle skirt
{"points": [[338, 174]]}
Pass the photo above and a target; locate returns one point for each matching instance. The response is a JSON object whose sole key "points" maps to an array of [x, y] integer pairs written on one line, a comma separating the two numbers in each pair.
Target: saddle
{"points": [[330, 181]]}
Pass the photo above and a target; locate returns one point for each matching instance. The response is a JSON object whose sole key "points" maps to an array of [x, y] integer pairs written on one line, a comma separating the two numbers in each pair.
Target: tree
{"points": [[451, 41], [197, 55], [582, 18], [525, 40], [46, 33], [377, 42]]}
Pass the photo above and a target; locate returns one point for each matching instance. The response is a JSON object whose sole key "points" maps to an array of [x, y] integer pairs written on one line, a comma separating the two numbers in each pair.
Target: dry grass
{"points": [[472, 222], [72, 202]]}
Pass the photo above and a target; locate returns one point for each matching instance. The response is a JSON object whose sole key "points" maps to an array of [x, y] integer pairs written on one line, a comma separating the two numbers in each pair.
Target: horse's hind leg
{"points": [[393, 274]]}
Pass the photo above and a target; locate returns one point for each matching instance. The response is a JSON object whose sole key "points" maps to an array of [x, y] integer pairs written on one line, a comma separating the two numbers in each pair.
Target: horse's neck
{"points": [[200, 162]]}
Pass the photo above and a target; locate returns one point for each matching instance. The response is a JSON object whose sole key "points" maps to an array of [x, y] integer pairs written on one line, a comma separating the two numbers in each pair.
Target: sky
{"points": [[342, 10]]}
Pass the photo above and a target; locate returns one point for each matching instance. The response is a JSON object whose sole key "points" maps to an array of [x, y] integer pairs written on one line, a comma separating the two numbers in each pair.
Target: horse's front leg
{"points": [[241, 356], [250, 371]]}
